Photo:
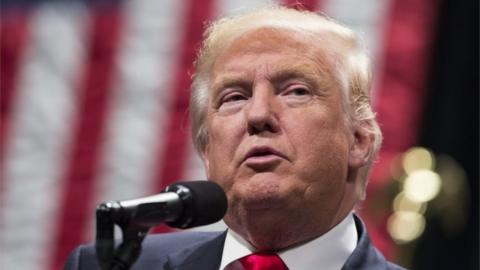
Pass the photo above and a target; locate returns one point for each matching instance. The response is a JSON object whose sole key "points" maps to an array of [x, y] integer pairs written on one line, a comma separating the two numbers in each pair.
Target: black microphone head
{"points": [[204, 202]]}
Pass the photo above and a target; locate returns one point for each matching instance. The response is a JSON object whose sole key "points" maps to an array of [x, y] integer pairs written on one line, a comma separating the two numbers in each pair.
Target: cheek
{"points": [[329, 156], [321, 148], [224, 138], [225, 130]]}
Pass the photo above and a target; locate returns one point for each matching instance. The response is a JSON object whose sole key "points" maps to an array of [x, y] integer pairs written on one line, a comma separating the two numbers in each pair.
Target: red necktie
{"points": [[263, 261]]}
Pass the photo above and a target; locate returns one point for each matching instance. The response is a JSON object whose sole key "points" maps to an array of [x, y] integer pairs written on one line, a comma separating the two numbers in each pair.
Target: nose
{"points": [[261, 113]]}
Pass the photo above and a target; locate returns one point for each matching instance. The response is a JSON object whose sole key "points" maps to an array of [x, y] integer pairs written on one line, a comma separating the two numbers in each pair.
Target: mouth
{"points": [[262, 155]]}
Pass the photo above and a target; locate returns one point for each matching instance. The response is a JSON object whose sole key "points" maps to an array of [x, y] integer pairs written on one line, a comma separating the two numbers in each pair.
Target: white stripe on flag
{"points": [[234, 7], [368, 18], [34, 158], [141, 98]]}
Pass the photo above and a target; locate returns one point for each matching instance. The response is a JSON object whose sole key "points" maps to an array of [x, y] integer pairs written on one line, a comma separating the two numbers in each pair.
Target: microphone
{"points": [[181, 205]]}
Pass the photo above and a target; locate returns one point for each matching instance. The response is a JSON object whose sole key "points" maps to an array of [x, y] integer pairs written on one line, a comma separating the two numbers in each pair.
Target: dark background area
{"points": [[451, 126]]}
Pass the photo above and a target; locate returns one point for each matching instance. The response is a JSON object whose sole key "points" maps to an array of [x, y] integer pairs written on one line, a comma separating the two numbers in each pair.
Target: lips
{"points": [[262, 154]]}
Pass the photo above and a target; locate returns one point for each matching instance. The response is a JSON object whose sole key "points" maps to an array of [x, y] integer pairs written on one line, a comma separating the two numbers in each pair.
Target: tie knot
{"points": [[263, 261]]}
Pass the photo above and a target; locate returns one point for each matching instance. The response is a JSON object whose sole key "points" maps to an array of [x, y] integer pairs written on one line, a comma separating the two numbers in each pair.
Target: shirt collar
{"points": [[235, 247], [331, 250]]}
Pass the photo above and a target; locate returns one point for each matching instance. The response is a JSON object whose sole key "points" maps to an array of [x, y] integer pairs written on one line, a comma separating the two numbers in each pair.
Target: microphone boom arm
{"points": [[128, 251], [182, 205]]}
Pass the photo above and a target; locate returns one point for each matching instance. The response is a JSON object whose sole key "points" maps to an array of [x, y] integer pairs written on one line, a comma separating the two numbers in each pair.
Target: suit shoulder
{"points": [[171, 242], [393, 266], [366, 256], [155, 248], [82, 257]]}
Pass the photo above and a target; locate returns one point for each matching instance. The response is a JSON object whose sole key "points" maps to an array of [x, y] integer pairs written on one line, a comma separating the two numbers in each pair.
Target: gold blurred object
{"points": [[425, 188], [428, 185], [403, 203], [422, 185], [418, 158], [405, 226]]}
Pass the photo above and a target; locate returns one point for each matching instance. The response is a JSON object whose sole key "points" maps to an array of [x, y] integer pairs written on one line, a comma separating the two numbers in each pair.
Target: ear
{"points": [[361, 148]]}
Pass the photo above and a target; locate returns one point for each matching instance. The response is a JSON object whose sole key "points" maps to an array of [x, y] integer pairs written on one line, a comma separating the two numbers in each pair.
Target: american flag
{"points": [[94, 99]]}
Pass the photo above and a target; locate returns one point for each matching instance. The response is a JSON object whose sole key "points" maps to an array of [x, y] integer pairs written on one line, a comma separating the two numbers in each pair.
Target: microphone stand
{"points": [[128, 251], [180, 206]]}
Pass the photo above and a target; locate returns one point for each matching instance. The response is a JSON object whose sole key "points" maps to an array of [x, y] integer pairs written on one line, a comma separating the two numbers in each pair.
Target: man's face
{"points": [[278, 140]]}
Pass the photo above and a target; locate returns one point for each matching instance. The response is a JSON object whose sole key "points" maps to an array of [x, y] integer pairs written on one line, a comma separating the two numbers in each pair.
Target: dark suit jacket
{"points": [[203, 251]]}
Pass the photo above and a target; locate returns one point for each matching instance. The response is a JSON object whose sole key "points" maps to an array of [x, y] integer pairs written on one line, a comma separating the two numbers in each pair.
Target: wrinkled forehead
{"points": [[280, 39], [305, 53], [269, 37]]}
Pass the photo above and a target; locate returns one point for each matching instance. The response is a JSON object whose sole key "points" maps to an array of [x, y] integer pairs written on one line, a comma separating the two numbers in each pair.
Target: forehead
{"points": [[269, 38], [274, 51]]}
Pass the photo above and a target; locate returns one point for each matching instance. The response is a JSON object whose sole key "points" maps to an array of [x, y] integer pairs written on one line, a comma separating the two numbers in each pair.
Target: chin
{"points": [[264, 199], [262, 202], [263, 192]]}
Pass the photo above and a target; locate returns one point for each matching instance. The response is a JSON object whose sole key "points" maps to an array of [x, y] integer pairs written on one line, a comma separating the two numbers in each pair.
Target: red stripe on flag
{"points": [[402, 87], [13, 35], [311, 5], [94, 98], [174, 156]]}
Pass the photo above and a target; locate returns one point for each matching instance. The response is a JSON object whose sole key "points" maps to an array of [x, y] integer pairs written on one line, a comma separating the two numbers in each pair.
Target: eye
{"points": [[232, 97], [298, 91], [231, 100]]}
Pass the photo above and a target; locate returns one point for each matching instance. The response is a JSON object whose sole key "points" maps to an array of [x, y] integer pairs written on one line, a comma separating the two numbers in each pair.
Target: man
{"points": [[281, 116]]}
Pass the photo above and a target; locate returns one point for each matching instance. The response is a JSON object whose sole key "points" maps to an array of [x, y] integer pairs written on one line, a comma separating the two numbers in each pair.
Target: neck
{"points": [[288, 230]]}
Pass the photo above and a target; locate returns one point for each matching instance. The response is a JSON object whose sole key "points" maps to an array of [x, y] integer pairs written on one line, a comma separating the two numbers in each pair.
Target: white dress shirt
{"points": [[330, 251]]}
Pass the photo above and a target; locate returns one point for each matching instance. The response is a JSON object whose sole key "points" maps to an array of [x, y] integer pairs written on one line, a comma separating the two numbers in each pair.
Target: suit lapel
{"points": [[205, 256], [365, 256]]}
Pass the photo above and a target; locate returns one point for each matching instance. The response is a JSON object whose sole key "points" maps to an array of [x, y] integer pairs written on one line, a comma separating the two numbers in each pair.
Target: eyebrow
{"points": [[316, 76], [303, 71], [284, 76], [230, 80]]}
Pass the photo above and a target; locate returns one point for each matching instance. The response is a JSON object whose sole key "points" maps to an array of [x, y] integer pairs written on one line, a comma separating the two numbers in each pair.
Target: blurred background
{"points": [[94, 99]]}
